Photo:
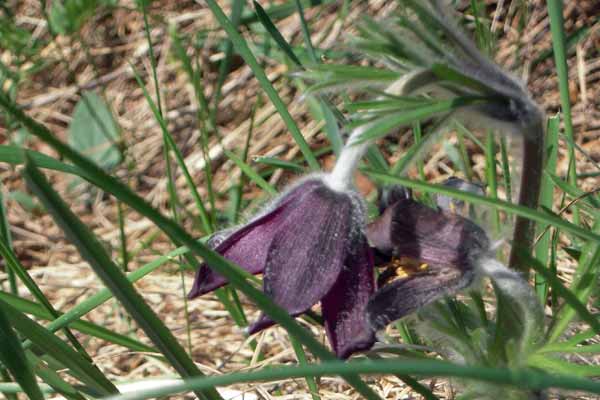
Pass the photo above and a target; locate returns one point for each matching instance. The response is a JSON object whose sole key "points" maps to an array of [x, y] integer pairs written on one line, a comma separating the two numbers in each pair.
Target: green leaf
{"points": [[13, 358], [25, 200], [93, 131], [112, 276]]}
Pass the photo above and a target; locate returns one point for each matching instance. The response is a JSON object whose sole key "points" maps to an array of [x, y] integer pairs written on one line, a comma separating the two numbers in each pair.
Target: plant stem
{"points": [[529, 193]]}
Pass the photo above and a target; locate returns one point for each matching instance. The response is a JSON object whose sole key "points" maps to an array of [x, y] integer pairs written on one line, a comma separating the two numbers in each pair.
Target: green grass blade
{"points": [[88, 328], [235, 274], [242, 48], [521, 378], [78, 366], [171, 145], [194, 75], [310, 380], [555, 12], [237, 7], [384, 125], [13, 358], [331, 127], [15, 155], [490, 174], [542, 249], [275, 34], [6, 238], [252, 175], [103, 295], [576, 307], [506, 168], [306, 33], [279, 163], [15, 266], [511, 208], [112, 276], [281, 11], [581, 288], [52, 378]]}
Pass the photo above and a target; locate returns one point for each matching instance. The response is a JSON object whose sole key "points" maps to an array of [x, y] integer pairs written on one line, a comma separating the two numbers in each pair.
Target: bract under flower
{"points": [[310, 246], [442, 245]]}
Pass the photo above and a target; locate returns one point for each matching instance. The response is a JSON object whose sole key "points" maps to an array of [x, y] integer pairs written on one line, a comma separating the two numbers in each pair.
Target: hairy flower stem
{"points": [[529, 193], [341, 176]]}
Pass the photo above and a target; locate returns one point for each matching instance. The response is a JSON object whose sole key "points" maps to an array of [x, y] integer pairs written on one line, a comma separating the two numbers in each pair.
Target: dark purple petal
{"points": [[411, 229], [248, 246], [404, 296], [345, 305], [306, 256]]}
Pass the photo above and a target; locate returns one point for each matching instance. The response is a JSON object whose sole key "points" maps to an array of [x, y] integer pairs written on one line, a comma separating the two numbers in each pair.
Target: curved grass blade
{"points": [[584, 282], [13, 358], [53, 379], [234, 274], [275, 34], [14, 265], [170, 142], [244, 51], [522, 378], [112, 276], [575, 305], [281, 11], [279, 163], [103, 295], [542, 249], [254, 177], [79, 367], [88, 328], [15, 155], [557, 29], [6, 238], [498, 204]]}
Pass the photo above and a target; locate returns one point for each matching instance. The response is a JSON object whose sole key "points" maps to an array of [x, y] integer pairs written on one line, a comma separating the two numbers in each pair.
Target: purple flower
{"points": [[430, 253], [310, 246]]}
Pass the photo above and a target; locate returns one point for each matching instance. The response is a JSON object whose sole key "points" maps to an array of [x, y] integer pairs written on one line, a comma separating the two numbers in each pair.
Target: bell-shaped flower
{"points": [[430, 252], [310, 246]]}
